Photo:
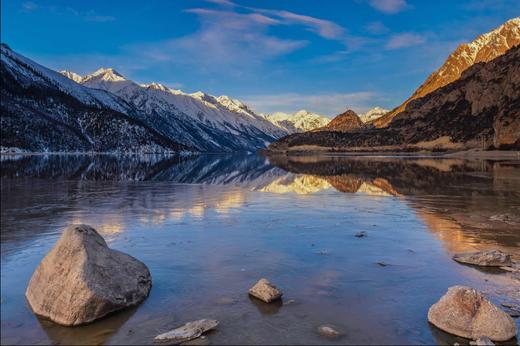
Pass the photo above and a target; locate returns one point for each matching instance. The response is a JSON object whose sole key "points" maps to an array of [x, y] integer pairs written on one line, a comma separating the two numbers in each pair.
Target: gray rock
{"points": [[361, 234], [328, 332], [265, 291], [482, 341], [465, 312], [490, 258], [187, 332], [81, 279]]}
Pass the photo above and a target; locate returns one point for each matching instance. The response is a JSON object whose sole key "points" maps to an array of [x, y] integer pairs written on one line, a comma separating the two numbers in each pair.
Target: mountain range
{"points": [[471, 101], [300, 121], [47, 111]]}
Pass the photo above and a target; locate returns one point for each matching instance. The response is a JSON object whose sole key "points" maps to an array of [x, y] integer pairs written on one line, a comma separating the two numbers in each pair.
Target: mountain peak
{"points": [[373, 114], [72, 75], [344, 122], [484, 48], [105, 74]]}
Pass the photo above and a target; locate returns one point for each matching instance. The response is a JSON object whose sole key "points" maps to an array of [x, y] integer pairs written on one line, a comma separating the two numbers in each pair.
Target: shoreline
{"points": [[466, 154], [469, 154]]}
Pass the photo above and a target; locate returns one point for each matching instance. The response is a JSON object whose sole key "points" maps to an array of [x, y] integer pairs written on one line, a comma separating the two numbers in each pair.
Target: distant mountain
{"points": [[344, 122], [484, 48], [44, 111], [479, 110], [300, 121], [373, 114]]}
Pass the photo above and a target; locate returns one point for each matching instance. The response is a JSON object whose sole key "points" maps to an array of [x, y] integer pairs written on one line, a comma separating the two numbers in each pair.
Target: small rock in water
{"points": [[382, 264], [361, 234], [465, 312], [265, 291], [187, 332], [482, 341], [490, 258], [81, 279], [328, 332]]}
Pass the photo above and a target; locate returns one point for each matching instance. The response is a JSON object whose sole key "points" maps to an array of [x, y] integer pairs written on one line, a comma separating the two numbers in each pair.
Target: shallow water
{"points": [[209, 227]]}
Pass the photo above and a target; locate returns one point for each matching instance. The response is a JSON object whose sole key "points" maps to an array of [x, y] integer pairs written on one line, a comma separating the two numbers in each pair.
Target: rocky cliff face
{"points": [[479, 110], [485, 48], [346, 121]]}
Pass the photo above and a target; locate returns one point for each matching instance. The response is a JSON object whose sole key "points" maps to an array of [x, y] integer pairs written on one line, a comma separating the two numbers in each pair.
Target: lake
{"points": [[210, 226]]}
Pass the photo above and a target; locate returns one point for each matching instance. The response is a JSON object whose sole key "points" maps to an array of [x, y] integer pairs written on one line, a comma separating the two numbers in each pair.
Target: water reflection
{"points": [[210, 226]]}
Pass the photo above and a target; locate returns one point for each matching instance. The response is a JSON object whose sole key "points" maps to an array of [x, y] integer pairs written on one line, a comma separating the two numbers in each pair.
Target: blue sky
{"points": [[324, 55]]}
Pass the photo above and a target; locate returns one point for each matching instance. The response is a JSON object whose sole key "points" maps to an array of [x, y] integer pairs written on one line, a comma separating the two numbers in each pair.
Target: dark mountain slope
{"points": [[479, 110]]}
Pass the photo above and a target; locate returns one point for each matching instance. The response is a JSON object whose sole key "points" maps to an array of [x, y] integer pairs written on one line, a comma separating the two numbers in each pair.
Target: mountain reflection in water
{"points": [[209, 226], [468, 204]]}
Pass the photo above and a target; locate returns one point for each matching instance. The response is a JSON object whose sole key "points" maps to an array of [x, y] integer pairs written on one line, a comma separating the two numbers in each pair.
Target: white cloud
{"points": [[29, 6], [225, 39], [404, 40], [326, 104], [376, 28], [388, 6]]}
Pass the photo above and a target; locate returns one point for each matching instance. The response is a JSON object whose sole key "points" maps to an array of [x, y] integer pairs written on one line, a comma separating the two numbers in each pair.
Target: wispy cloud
{"points": [[89, 16], [405, 40], [326, 104], [388, 6], [376, 28], [29, 6], [225, 39]]}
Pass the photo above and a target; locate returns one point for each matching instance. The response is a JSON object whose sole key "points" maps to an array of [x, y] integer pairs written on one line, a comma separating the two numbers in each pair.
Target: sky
{"points": [[321, 55]]}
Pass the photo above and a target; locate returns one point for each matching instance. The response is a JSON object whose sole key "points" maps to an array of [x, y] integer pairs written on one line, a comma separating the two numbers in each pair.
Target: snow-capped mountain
{"points": [[300, 121], [484, 48], [44, 111], [373, 114], [208, 123]]}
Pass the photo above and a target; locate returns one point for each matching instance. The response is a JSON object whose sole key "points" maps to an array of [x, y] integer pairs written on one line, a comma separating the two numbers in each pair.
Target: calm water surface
{"points": [[209, 227]]}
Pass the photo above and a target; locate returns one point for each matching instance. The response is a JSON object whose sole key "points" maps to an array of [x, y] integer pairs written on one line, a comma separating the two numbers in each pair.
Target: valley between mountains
{"points": [[471, 102]]}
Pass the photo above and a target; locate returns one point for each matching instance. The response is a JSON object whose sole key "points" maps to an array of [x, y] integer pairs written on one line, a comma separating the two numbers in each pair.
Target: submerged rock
{"points": [[187, 332], [482, 341], [490, 258], [361, 234], [328, 332], [465, 312], [265, 291], [81, 279]]}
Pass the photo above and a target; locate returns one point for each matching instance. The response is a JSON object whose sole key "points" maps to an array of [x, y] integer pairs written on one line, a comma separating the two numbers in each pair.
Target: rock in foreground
{"points": [[490, 258], [467, 313], [328, 332], [265, 291], [81, 279], [187, 332]]}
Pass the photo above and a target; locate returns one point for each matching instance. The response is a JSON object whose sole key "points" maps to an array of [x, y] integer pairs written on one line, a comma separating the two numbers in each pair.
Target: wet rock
{"points": [[328, 332], [361, 234], [465, 312], [265, 291], [187, 332], [482, 341], [490, 258], [382, 264], [81, 279]]}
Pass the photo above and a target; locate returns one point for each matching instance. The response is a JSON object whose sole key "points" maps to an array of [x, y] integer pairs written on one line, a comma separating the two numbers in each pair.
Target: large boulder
{"points": [[465, 312], [489, 258], [81, 279]]}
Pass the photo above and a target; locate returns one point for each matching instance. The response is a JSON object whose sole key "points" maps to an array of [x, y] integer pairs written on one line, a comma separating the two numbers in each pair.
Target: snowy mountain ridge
{"points": [[300, 121], [373, 114]]}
